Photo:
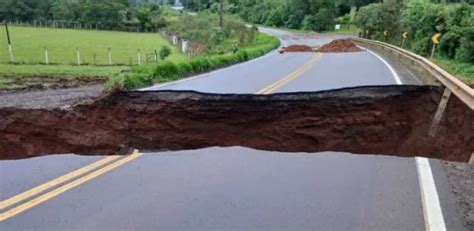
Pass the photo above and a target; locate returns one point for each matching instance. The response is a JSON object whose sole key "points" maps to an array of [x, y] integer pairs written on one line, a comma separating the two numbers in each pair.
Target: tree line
{"points": [[317, 15], [421, 19], [110, 14]]}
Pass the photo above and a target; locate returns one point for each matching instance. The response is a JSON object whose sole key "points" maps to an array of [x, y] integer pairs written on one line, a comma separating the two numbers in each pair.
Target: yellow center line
{"points": [[44, 197], [106, 164], [292, 76], [40, 188]]}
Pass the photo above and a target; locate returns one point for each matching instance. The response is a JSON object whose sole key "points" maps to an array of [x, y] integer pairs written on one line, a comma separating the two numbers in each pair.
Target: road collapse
{"points": [[388, 120]]}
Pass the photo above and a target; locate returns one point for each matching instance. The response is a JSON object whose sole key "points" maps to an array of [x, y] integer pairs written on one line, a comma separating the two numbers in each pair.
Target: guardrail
{"points": [[458, 88]]}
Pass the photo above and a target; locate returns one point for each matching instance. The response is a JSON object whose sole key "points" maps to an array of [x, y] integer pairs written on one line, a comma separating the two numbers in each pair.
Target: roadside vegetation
{"points": [[85, 70], [462, 70], [75, 29], [311, 15], [422, 19], [218, 46], [168, 71]]}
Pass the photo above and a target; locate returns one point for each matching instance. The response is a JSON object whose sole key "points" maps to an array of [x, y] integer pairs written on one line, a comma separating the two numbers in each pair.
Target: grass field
{"points": [[28, 46], [16, 77], [59, 70]]}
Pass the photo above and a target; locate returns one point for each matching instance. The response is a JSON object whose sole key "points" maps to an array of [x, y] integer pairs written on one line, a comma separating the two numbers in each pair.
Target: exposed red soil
{"points": [[339, 46], [298, 48], [389, 120]]}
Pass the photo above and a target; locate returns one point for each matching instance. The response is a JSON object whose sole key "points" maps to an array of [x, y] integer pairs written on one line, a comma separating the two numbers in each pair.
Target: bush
{"points": [[422, 19], [165, 52], [184, 68], [465, 52], [242, 55], [136, 80], [166, 70], [143, 76]]}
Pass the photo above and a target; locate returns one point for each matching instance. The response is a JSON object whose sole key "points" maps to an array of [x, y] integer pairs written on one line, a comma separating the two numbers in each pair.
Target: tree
{"points": [[221, 14], [85, 11], [145, 15]]}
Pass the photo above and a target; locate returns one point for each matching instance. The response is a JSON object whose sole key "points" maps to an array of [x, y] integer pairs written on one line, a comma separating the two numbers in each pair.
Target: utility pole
{"points": [[221, 14]]}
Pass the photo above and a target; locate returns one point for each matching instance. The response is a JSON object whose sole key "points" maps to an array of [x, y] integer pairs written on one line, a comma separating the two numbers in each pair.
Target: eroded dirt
{"points": [[298, 48], [391, 120], [339, 46], [45, 99], [44, 82]]}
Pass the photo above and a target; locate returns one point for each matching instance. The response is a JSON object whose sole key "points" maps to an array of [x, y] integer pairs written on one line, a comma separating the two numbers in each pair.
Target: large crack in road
{"points": [[388, 120]]}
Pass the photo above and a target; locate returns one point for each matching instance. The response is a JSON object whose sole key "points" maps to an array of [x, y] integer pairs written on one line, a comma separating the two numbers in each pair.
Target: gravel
{"points": [[461, 178], [53, 98]]}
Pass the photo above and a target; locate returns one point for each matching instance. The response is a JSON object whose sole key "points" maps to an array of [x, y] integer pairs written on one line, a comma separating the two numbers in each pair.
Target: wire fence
{"points": [[86, 52], [63, 24]]}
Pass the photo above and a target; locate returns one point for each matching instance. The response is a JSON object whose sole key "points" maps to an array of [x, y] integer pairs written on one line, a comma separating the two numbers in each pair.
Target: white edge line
{"points": [[394, 73], [433, 214], [205, 74], [434, 220]]}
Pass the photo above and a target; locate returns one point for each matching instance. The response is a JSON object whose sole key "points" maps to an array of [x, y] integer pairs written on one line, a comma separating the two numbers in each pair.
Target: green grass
{"points": [[28, 46], [142, 76], [9, 72], [463, 71], [59, 70]]}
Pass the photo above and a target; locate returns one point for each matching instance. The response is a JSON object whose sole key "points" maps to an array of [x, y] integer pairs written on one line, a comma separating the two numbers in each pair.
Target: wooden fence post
{"points": [[10, 50], [139, 57], [110, 56], [46, 58], [78, 57]]}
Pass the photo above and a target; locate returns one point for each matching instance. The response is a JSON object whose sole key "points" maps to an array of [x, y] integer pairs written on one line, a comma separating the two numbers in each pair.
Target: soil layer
{"points": [[339, 46], [390, 120], [43, 82], [298, 48]]}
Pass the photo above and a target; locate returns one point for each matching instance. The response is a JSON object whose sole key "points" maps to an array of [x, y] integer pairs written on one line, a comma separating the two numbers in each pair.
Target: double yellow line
{"points": [[280, 83], [44, 192], [85, 174]]}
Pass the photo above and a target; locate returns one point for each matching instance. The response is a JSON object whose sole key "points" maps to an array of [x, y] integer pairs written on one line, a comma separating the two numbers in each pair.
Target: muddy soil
{"points": [[339, 46], [51, 98], [390, 120], [298, 48], [43, 82]]}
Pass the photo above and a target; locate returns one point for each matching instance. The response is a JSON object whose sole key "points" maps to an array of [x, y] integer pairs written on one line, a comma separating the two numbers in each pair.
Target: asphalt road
{"points": [[238, 188]]}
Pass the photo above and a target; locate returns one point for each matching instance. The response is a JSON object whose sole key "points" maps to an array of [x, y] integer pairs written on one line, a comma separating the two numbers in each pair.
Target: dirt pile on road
{"points": [[389, 120], [339, 46], [298, 48]]}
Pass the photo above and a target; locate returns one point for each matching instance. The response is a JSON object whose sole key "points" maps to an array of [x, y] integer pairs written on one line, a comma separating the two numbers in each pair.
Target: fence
{"points": [[79, 57], [76, 25], [191, 49], [38, 53]]}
